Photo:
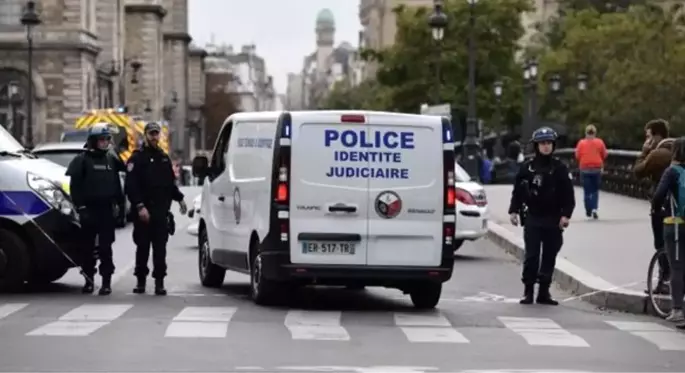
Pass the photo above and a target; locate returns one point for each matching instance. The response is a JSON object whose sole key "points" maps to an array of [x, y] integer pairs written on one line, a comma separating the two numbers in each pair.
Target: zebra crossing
{"points": [[207, 322]]}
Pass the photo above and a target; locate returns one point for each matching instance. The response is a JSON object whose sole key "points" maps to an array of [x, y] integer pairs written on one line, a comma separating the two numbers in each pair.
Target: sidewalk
{"points": [[604, 261]]}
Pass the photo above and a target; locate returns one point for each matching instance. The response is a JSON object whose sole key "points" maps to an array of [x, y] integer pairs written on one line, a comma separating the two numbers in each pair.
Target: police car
{"points": [[194, 213], [472, 208], [330, 198], [39, 228]]}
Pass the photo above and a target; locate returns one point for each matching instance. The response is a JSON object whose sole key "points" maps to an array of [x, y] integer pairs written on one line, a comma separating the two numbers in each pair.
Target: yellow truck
{"points": [[125, 134]]}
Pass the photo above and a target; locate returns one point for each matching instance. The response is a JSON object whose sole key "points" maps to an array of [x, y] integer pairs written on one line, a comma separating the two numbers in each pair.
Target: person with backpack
{"points": [[655, 158], [590, 155], [670, 196], [96, 192]]}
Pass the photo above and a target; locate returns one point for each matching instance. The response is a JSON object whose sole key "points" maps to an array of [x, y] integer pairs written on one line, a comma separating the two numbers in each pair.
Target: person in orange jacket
{"points": [[590, 155]]}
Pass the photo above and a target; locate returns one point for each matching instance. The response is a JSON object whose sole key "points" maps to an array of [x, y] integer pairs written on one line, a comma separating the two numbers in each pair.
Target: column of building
{"points": [[144, 44], [176, 100], [196, 98]]}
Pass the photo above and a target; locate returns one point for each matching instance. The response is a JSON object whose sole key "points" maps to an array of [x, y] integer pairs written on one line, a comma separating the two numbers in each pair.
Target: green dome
{"points": [[325, 16]]}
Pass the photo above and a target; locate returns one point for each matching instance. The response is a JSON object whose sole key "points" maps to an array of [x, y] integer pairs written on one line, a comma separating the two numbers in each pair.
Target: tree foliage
{"points": [[220, 103], [369, 95], [634, 60]]}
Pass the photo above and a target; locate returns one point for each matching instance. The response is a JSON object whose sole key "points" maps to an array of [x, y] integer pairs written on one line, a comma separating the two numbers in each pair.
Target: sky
{"points": [[282, 30]]}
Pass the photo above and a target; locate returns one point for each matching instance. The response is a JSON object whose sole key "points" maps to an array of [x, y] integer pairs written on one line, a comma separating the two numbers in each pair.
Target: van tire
{"points": [[263, 292], [211, 275], [47, 275], [426, 296], [457, 245], [16, 261]]}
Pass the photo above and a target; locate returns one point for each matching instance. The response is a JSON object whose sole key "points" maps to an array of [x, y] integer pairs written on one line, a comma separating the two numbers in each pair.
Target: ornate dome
{"points": [[325, 17]]}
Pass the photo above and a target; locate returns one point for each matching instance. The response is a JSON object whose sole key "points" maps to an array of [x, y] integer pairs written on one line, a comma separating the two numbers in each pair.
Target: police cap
{"points": [[152, 127]]}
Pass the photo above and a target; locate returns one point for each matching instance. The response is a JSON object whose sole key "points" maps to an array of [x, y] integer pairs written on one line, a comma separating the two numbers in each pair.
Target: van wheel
{"points": [[15, 261], [262, 291], [211, 275], [47, 275], [457, 244], [426, 296]]}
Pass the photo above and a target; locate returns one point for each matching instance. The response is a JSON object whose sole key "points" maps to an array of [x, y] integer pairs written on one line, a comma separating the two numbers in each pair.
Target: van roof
{"points": [[274, 115]]}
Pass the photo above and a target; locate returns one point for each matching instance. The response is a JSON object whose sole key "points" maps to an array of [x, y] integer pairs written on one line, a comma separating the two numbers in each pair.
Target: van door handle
{"points": [[342, 208], [222, 198]]}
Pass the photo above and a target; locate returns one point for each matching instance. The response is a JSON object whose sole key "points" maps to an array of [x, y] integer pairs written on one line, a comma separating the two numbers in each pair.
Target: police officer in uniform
{"points": [[544, 200], [96, 190], [151, 187]]}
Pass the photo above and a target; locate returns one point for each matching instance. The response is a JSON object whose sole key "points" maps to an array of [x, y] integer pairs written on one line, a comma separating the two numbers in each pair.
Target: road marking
{"points": [[82, 320], [542, 332], [316, 325], [664, 338], [201, 322], [428, 328], [10, 308]]}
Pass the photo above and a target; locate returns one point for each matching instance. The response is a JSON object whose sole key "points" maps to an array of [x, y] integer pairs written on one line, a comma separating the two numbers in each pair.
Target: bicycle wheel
{"points": [[661, 303]]}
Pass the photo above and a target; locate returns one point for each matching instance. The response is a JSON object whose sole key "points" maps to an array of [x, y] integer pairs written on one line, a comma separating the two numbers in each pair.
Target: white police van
{"points": [[35, 215], [330, 198]]}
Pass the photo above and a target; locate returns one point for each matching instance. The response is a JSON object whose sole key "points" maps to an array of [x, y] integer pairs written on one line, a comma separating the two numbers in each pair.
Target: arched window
{"points": [[13, 87]]}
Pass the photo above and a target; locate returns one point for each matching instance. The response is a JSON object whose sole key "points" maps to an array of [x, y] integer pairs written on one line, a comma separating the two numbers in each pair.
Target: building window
{"points": [[10, 12]]}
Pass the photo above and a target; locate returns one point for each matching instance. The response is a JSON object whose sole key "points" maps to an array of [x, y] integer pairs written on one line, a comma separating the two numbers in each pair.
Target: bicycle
{"points": [[661, 303]]}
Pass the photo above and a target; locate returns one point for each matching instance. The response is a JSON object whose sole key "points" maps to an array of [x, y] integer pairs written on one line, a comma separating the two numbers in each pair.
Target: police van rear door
{"points": [[329, 193], [405, 189]]}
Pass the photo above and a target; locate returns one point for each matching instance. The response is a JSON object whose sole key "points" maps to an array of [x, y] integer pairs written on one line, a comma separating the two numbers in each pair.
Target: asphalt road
{"points": [[479, 326]]}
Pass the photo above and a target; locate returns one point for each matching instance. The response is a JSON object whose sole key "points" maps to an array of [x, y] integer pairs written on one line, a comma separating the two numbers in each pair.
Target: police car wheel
{"points": [[262, 291], [47, 275], [426, 296], [211, 275], [14, 255]]}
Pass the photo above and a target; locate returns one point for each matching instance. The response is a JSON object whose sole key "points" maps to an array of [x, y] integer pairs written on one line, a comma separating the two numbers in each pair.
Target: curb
{"points": [[574, 279]]}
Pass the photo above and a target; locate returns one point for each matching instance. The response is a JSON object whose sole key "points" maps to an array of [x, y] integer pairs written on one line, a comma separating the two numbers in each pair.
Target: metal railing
{"points": [[617, 176]]}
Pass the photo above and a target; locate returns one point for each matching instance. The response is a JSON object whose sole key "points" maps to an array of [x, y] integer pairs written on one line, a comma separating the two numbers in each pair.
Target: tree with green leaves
{"points": [[634, 61], [369, 95], [409, 69]]}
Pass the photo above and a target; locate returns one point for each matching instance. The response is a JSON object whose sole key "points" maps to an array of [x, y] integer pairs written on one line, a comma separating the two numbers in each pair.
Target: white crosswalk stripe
{"points": [[423, 328], [201, 322], [316, 325], [664, 338], [82, 320], [215, 322], [542, 332]]}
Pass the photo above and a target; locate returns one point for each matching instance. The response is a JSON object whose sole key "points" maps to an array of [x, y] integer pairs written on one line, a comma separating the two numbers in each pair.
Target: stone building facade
{"points": [[95, 53], [196, 98]]}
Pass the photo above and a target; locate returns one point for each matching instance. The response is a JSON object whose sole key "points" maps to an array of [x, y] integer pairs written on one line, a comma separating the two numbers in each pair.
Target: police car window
{"points": [[460, 174], [61, 158]]}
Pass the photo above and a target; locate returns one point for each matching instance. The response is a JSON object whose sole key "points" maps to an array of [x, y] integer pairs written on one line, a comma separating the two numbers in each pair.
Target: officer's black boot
{"points": [[106, 288], [544, 297], [140, 285], [528, 294], [159, 287], [88, 287]]}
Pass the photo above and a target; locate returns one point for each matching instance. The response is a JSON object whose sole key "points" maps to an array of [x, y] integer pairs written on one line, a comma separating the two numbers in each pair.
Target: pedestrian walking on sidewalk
{"points": [[655, 158], [543, 201], [590, 155], [670, 195], [151, 187], [96, 192]]}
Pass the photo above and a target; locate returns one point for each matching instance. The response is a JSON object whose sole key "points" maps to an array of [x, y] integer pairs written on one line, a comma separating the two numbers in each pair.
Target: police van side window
{"points": [[219, 156]]}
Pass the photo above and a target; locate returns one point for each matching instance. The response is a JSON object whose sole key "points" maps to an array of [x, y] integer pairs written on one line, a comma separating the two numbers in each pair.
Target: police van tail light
{"points": [[283, 174], [451, 196], [282, 193], [448, 233], [450, 178], [284, 230], [352, 118]]}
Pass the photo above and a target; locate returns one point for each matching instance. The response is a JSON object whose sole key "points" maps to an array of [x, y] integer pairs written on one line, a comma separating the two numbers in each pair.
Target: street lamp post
{"points": [[471, 146], [530, 76], [30, 19], [437, 22]]}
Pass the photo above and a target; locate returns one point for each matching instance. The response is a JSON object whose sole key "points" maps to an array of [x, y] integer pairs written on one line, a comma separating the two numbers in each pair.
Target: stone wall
{"points": [[196, 77]]}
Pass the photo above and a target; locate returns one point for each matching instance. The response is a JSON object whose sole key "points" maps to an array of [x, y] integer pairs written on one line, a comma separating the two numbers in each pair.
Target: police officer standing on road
{"points": [[96, 190], [543, 194], [151, 187]]}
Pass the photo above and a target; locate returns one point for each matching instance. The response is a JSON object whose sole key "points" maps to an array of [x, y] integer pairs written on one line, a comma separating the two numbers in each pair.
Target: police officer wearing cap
{"points": [[151, 188], [543, 201], [96, 192]]}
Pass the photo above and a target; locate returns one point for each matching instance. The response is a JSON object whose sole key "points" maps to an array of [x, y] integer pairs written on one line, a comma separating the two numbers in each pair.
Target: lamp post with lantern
{"points": [[530, 77], [471, 146], [438, 23], [30, 19]]}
